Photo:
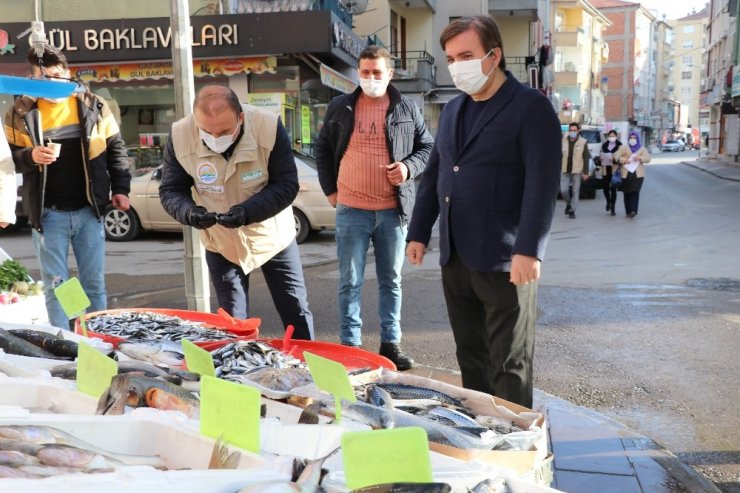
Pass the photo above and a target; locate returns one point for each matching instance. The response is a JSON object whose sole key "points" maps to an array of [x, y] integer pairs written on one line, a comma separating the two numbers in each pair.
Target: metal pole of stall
{"points": [[197, 288]]}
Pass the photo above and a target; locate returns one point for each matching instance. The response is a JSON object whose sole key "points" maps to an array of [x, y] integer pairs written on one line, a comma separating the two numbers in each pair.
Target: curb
{"points": [[711, 172]]}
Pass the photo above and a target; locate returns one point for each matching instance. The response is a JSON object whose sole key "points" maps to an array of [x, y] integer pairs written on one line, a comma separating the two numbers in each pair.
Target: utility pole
{"points": [[197, 288]]}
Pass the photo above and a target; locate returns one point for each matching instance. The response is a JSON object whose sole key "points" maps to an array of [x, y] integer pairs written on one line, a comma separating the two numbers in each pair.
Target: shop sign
{"points": [[335, 80], [270, 101], [346, 40], [159, 70], [140, 37], [736, 81], [305, 124]]}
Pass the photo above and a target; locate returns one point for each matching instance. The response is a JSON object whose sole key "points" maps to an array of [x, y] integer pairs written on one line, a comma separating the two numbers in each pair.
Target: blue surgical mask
{"points": [[573, 135]]}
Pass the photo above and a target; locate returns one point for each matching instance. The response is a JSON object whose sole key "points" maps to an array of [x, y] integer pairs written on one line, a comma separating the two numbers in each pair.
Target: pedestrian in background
{"points": [[632, 157], [65, 194], [492, 182], [229, 172], [373, 144], [7, 184], [608, 150], [574, 168]]}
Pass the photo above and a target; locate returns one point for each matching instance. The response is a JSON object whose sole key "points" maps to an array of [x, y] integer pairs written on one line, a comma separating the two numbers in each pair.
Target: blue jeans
{"points": [[355, 229], [283, 275], [84, 232]]}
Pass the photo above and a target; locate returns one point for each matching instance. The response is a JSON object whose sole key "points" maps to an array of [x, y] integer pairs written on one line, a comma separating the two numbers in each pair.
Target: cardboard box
{"points": [[530, 464]]}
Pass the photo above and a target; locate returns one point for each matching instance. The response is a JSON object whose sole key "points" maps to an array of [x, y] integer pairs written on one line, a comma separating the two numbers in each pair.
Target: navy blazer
{"points": [[495, 196]]}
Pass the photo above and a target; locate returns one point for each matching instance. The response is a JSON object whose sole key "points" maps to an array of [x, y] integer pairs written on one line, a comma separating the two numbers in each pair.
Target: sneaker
{"points": [[568, 209], [572, 215], [393, 352], [613, 213]]}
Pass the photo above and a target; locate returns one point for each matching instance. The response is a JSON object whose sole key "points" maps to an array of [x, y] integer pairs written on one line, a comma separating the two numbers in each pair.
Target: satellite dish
{"points": [[355, 6]]}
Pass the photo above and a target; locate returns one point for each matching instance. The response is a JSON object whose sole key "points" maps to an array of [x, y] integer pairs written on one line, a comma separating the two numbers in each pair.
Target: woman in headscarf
{"points": [[609, 150], [632, 158]]}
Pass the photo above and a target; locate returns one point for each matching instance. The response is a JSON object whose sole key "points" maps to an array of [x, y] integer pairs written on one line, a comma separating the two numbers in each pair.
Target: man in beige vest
{"points": [[229, 172], [574, 166]]}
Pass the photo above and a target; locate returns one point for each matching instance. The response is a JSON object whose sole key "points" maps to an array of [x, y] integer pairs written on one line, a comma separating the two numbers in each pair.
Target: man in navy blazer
{"points": [[492, 179]]}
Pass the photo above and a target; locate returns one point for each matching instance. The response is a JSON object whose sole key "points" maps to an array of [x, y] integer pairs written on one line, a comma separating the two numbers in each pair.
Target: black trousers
{"points": [[493, 322], [610, 194], [284, 277]]}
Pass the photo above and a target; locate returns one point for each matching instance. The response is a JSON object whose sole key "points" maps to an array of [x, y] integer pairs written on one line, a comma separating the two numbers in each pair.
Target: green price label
{"points": [[198, 359], [94, 370], [232, 410], [398, 455], [73, 299], [331, 376]]}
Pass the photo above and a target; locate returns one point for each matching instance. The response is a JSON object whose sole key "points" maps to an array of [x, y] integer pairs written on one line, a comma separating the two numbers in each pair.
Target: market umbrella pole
{"points": [[197, 290]]}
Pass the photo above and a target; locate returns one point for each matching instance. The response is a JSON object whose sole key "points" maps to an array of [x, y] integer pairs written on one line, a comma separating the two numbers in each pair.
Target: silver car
{"points": [[311, 210]]}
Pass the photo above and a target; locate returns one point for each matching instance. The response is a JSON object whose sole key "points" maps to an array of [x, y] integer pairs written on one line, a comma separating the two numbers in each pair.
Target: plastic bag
{"points": [[616, 178]]}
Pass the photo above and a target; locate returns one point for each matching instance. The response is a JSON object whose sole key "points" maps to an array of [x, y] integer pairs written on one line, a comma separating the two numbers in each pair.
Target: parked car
{"points": [[672, 146], [311, 210]]}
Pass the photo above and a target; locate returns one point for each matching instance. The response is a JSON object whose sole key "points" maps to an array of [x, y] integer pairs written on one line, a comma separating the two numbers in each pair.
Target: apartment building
{"points": [[687, 70], [580, 52], [721, 61], [630, 71], [667, 108]]}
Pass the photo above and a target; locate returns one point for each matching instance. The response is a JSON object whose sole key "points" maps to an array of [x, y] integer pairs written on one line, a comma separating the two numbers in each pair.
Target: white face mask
{"points": [[468, 75], [55, 100], [373, 88], [612, 139], [218, 144], [633, 142]]}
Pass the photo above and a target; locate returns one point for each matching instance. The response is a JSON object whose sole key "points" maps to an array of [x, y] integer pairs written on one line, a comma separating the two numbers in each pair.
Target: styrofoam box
{"points": [[30, 310], [178, 447], [53, 396]]}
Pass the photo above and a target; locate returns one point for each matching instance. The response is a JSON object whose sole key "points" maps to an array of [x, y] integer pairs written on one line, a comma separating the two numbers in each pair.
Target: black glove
{"points": [[235, 218], [200, 218]]}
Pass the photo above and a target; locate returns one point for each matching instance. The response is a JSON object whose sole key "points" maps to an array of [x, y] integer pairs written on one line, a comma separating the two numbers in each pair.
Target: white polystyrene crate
{"points": [[54, 396]]}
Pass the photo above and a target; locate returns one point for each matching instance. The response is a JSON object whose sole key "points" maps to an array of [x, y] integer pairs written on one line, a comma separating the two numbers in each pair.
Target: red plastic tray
{"points": [[242, 329], [351, 357]]}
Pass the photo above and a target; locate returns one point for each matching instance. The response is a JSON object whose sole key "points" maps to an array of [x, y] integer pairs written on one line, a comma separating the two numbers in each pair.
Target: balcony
{"points": [[430, 5], [513, 8], [569, 36], [264, 6], [413, 71]]}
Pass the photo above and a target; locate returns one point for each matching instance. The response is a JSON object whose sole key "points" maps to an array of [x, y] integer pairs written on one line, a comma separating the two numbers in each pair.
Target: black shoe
{"points": [[608, 207], [632, 215], [568, 209], [393, 352], [572, 215], [613, 213]]}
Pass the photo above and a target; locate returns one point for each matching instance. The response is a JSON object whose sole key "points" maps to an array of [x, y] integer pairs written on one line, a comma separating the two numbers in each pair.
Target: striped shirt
{"points": [[362, 181]]}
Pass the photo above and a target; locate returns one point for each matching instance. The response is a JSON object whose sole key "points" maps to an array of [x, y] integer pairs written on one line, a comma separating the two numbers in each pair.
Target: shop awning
{"points": [[165, 69], [335, 80]]}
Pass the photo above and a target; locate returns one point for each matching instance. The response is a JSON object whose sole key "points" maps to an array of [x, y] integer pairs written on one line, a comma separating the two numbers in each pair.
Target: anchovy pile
{"points": [[240, 357], [149, 325]]}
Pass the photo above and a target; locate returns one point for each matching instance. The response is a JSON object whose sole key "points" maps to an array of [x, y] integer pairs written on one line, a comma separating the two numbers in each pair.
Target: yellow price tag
{"points": [[94, 370], [198, 359], [231, 409]]}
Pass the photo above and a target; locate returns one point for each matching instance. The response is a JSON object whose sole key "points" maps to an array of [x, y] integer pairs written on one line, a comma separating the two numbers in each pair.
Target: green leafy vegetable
{"points": [[11, 271]]}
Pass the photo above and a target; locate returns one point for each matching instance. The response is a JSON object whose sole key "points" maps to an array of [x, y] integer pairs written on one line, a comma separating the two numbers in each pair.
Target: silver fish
{"points": [[156, 352], [307, 482]]}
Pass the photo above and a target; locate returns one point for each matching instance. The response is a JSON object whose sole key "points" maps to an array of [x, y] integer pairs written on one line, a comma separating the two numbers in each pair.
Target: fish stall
{"points": [[145, 428]]}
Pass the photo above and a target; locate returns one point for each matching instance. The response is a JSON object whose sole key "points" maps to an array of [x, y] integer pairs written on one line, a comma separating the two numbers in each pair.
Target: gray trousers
{"points": [[568, 181], [493, 322]]}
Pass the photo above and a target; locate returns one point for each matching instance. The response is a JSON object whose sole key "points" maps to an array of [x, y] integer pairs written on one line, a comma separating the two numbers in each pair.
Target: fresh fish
{"points": [[221, 458], [240, 357], [13, 458], [9, 472], [44, 435], [161, 399], [378, 396], [277, 379], [403, 391], [499, 425], [60, 455], [496, 485], [150, 325], [56, 345], [307, 481], [19, 446], [43, 471], [13, 344], [160, 353], [406, 488], [130, 389], [458, 418]]}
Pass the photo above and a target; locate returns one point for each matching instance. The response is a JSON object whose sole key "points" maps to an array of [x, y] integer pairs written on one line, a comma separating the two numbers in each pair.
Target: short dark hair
{"points": [[483, 25], [373, 52], [612, 131], [574, 124], [214, 98], [50, 58]]}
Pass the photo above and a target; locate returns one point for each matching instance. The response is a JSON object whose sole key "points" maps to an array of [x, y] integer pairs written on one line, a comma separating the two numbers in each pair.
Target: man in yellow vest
{"points": [[574, 166], [229, 172]]}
